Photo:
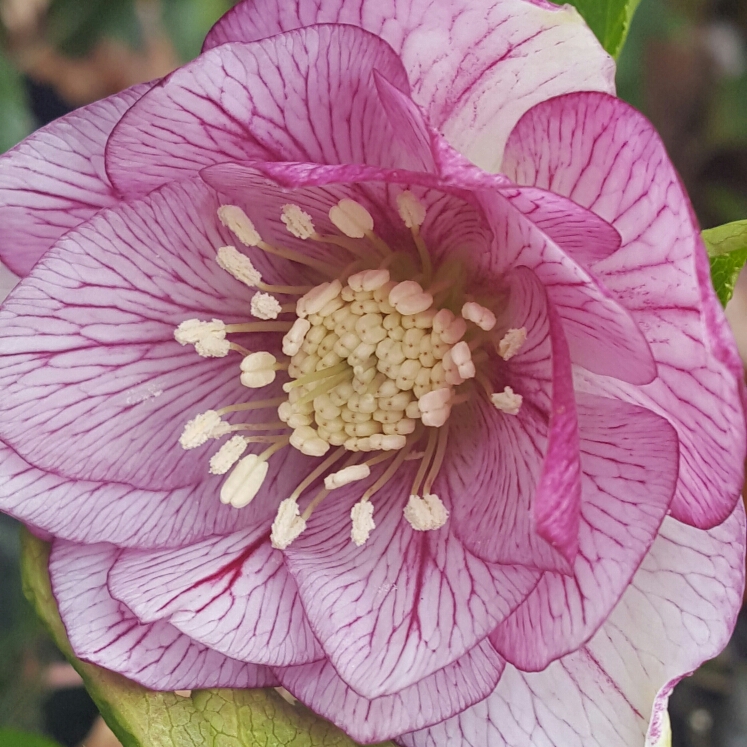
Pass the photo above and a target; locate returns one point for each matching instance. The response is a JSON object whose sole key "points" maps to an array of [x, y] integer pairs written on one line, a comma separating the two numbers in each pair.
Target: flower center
{"points": [[376, 356]]}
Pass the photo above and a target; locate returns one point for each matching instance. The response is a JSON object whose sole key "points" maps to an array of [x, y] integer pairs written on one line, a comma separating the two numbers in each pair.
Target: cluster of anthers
{"points": [[376, 359]]}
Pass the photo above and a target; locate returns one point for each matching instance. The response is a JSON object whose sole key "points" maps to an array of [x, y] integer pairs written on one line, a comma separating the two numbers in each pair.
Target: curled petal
{"points": [[475, 67], [605, 156], [231, 104]]}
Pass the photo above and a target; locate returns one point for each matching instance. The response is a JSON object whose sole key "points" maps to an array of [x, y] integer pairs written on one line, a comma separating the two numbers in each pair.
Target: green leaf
{"points": [[14, 738], [608, 19], [727, 249], [15, 118], [209, 718]]}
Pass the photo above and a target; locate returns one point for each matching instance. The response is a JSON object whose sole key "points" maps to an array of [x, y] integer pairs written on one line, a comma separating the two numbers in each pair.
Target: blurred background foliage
{"points": [[684, 65]]}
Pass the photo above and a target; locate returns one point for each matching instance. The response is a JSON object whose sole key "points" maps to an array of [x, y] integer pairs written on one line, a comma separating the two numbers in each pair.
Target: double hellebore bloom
{"points": [[373, 354]]}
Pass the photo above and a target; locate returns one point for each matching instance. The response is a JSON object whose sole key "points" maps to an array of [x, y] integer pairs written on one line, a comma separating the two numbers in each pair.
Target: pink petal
{"points": [[232, 594], [435, 698], [475, 66], [307, 95], [96, 388], [679, 611], [602, 335], [108, 634], [405, 604], [518, 477], [629, 462], [55, 179], [579, 232], [607, 157]]}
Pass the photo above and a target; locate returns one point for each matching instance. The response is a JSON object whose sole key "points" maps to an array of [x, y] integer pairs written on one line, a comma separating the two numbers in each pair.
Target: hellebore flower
{"points": [[373, 354]]}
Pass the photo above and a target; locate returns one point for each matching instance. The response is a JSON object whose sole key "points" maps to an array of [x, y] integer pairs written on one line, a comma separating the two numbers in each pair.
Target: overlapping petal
{"points": [[55, 179], [231, 593], [434, 698], [679, 609], [601, 153], [307, 95], [156, 655], [467, 62], [405, 604]]}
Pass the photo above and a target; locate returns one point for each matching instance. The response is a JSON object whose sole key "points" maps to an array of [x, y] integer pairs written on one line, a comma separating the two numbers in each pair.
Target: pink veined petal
{"points": [[444, 693], [474, 66], [55, 179], [579, 232], [87, 511], [405, 604], [516, 478], [602, 334], [232, 594], [678, 611], [95, 386], [106, 633], [629, 462], [308, 95], [604, 155]]}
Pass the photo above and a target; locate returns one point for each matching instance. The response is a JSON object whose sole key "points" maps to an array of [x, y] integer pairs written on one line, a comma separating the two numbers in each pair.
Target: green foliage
{"points": [[209, 718], [608, 19], [188, 21], [727, 249], [15, 119], [13, 738]]}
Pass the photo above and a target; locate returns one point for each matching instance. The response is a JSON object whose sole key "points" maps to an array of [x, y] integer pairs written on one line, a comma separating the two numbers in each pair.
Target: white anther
{"points": [[507, 401], [307, 441], [202, 427], [193, 330], [239, 265], [368, 280], [227, 455], [265, 306], [363, 523], [351, 218], [479, 315], [409, 298], [435, 407], [346, 476], [298, 222], [257, 369], [238, 223], [426, 513], [393, 442], [317, 298], [244, 482], [455, 331], [293, 338], [288, 524], [411, 210], [213, 347], [462, 358], [512, 342], [451, 371]]}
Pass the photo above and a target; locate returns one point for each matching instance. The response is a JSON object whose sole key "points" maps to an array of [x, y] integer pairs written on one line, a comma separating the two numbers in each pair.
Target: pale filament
{"points": [[331, 383], [425, 461], [323, 267], [438, 460], [288, 290], [425, 257], [317, 472], [258, 405], [344, 242], [258, 426], [259, 327], [324, 492], [341, 367], [400, 457]]}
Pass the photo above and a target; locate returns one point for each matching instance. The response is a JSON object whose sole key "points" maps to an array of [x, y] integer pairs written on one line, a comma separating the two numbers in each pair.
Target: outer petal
{"points": [[232, 594], [433, 699], [519, 493], [679, 610], [108, 634], [474, 66], [55, 180], [307, 95], [607, 157], [404, 605], [629, 461], [97, 390]]}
